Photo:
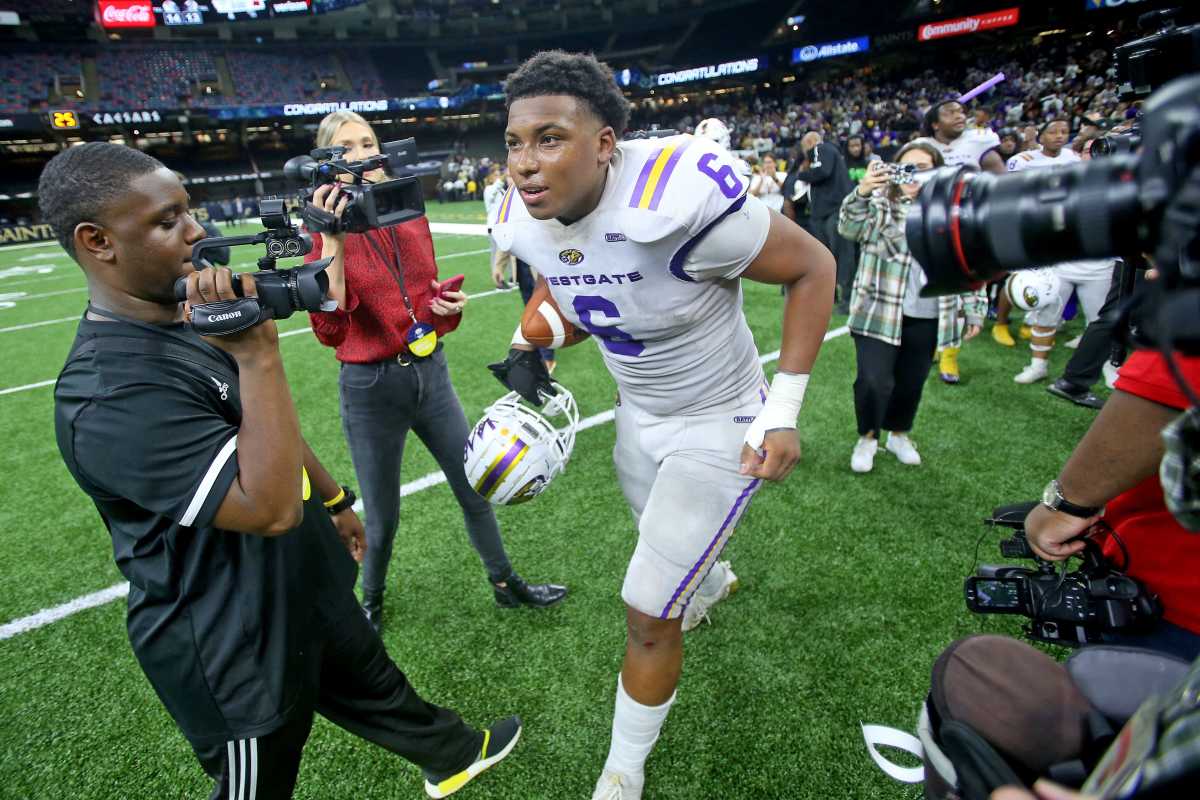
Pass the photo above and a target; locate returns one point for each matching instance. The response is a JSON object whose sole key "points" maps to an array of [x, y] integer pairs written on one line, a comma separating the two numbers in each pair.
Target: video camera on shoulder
{"points": [[281, 292], [1068, 608], [371, 205]]}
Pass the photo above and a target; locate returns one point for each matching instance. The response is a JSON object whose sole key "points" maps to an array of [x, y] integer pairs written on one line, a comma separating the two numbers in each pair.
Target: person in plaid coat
{"points": [[895, 330]]}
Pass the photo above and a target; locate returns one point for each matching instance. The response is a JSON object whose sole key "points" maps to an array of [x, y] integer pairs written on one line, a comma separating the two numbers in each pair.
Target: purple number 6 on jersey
{"points": [[731, 187], [616, 340]]}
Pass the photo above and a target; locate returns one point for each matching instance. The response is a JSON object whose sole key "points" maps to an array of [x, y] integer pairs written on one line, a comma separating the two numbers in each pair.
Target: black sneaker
{"points": [[517, 593], [372, 607], [1068, 391], [498, 741]]}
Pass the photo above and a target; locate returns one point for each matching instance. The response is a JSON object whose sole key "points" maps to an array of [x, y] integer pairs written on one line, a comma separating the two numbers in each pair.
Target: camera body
{"points": [[1072, 608], [281, 292], [370, 205], [900, 174]]}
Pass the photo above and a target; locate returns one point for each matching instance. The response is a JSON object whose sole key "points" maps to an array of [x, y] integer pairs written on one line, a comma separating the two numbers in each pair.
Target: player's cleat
{"points": [[615, 786], [863, 457], [1110, 375], [899, 445], [697, 610], [1002, 335], [948, 365], [1025, 332], [498, 742], [1036, 371]]}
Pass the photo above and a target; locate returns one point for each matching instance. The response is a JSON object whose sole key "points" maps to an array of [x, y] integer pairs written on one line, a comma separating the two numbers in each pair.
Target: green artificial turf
{"points": [[851, 584]]}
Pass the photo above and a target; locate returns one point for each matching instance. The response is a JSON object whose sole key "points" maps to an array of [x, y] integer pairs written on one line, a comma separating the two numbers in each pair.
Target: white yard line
{"points": [[29, 325], [119, 590]]}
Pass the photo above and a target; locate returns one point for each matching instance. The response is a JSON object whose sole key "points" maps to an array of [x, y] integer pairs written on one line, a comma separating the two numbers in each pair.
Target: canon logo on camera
{"points": [[126, 14], [223, 317]]}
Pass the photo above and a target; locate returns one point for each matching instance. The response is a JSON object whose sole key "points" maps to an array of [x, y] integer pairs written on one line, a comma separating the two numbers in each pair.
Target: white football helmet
{"points": [[1033, 289], [515, 451], [712, 128]]}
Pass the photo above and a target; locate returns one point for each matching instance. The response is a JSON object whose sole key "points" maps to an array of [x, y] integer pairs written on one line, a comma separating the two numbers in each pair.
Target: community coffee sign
{"points": [[965, 25], [12, 234]]}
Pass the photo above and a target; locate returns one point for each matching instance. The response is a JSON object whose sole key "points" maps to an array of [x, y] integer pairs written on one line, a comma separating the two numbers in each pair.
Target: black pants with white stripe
{"points": [[360, 689]]}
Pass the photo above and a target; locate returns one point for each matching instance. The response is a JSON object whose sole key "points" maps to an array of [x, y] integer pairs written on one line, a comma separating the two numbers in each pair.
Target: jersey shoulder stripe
{"points": [[656, 173], [506, 204]]}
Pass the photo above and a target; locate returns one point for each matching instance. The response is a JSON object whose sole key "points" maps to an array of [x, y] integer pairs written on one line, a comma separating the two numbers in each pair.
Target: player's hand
{"points": [[876, 177], [782, 448], [971, 332], [1053, 535], [216, 283], [525, 373], [446, 304], [498, 276], [352, 533]]}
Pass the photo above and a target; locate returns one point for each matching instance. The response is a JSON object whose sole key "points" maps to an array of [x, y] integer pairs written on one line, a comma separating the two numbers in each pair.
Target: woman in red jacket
{"points": [[389, 302]]}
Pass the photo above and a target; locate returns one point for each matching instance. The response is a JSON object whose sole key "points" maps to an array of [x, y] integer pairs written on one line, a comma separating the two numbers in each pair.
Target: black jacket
{"points": [[826, 173]]}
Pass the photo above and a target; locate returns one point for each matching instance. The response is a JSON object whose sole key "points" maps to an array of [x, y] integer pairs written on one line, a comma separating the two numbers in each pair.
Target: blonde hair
{"points": [[332, 122]]}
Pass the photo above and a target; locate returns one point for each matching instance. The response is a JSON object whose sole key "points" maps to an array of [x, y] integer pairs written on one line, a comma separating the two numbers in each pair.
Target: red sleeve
{"points": [[1145, 374]]}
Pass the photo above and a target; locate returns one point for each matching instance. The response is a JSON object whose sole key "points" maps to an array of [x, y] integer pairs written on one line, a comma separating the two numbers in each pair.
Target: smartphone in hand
{"points": [[450, 285]]}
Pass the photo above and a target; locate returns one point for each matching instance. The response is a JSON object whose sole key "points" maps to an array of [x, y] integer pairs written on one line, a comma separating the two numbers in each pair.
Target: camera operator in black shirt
{"points": [[238, 545], [826, 174]]}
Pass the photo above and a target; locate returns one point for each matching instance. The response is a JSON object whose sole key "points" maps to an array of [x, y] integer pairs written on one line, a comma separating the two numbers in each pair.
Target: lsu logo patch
{"points": [[571, 257]]}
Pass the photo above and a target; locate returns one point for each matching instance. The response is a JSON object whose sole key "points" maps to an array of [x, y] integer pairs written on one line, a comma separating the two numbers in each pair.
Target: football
{"points": [[543, 325]]}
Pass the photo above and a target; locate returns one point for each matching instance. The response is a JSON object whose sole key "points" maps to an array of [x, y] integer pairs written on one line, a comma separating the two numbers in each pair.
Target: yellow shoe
{"points": [[1001, 335], [1025, 332], [948, 365]]}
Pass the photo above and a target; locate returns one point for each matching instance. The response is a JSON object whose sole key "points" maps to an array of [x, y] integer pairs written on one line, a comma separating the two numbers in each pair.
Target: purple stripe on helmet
{"points": [[692, 572], [492, 478], [645, 176], [676, 265], [666, 174]]}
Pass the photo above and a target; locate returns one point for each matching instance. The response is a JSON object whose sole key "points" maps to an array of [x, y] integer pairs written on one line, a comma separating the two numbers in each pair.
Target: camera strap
{"points": [[421, 338]]}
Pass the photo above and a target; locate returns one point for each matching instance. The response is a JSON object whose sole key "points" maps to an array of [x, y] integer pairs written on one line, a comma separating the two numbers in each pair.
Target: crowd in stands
{"points": [[170, 78], [1072, 80]]}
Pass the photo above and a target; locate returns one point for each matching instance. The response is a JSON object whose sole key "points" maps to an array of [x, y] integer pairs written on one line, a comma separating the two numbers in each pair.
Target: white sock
{"points": [[635, 730]]}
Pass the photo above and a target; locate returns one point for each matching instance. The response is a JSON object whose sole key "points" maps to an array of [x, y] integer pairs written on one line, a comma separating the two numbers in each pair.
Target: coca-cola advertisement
{"points": [[125, 14]]}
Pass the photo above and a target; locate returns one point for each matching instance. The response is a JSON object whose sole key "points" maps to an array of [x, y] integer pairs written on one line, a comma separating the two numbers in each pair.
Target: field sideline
{"points": [[851, 584]]}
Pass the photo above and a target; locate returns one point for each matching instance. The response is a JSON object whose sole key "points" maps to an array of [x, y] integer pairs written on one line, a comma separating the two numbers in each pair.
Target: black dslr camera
{"points": [[281, 292], [1071, 608], [371, 205], [969, 228]]}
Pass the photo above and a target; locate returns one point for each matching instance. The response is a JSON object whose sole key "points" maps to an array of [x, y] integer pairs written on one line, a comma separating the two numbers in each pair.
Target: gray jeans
{"points": [[380, 403]]}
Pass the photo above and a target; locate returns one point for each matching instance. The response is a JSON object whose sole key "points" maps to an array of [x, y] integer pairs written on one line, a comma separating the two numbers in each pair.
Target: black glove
{"points": [[525, 373]]}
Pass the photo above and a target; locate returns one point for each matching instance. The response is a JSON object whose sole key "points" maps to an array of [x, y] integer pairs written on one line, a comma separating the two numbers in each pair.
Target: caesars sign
{"points": [[972, 24]]}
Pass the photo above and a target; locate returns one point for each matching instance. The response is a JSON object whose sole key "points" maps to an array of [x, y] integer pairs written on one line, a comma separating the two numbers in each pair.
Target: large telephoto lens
{"points": [[968, 228]]}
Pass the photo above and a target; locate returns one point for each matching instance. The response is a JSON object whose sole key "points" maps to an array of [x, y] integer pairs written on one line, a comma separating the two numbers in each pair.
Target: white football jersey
{"points": [[666, 312], [1074, 271], [1036, 159], [968, 148]]}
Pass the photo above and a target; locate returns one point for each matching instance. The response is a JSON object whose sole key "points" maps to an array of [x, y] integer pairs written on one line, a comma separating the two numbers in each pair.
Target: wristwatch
{"points": [[341, 505], [1052, 498]]}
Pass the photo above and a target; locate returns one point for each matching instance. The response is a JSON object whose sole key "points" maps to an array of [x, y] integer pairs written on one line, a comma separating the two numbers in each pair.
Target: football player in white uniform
{"points": [[945, 127], [644, 243], [1089, 279]]}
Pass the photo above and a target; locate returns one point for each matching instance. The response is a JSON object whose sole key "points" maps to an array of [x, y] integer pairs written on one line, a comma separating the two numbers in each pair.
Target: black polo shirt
{"points": [[222, 622]]}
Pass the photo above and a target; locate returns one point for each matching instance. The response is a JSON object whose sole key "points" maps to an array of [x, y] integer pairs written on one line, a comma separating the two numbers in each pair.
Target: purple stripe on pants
{"points": [[666, 174], [493, 477], [692, 572], [645, 176]]}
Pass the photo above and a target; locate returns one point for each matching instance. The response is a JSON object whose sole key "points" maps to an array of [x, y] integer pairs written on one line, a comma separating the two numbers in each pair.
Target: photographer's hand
{"points": [[216, 283], [333, 245], [352, 533], [876, 177], [1054, 535]]}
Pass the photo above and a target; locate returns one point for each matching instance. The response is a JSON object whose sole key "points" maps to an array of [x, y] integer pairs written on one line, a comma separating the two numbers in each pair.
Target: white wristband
{"points": [[518, 338], [781, 409]]}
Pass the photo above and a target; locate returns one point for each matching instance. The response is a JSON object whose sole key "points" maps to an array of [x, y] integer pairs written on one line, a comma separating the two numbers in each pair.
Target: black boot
{"points": [[372, 606], [516, 592]]}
